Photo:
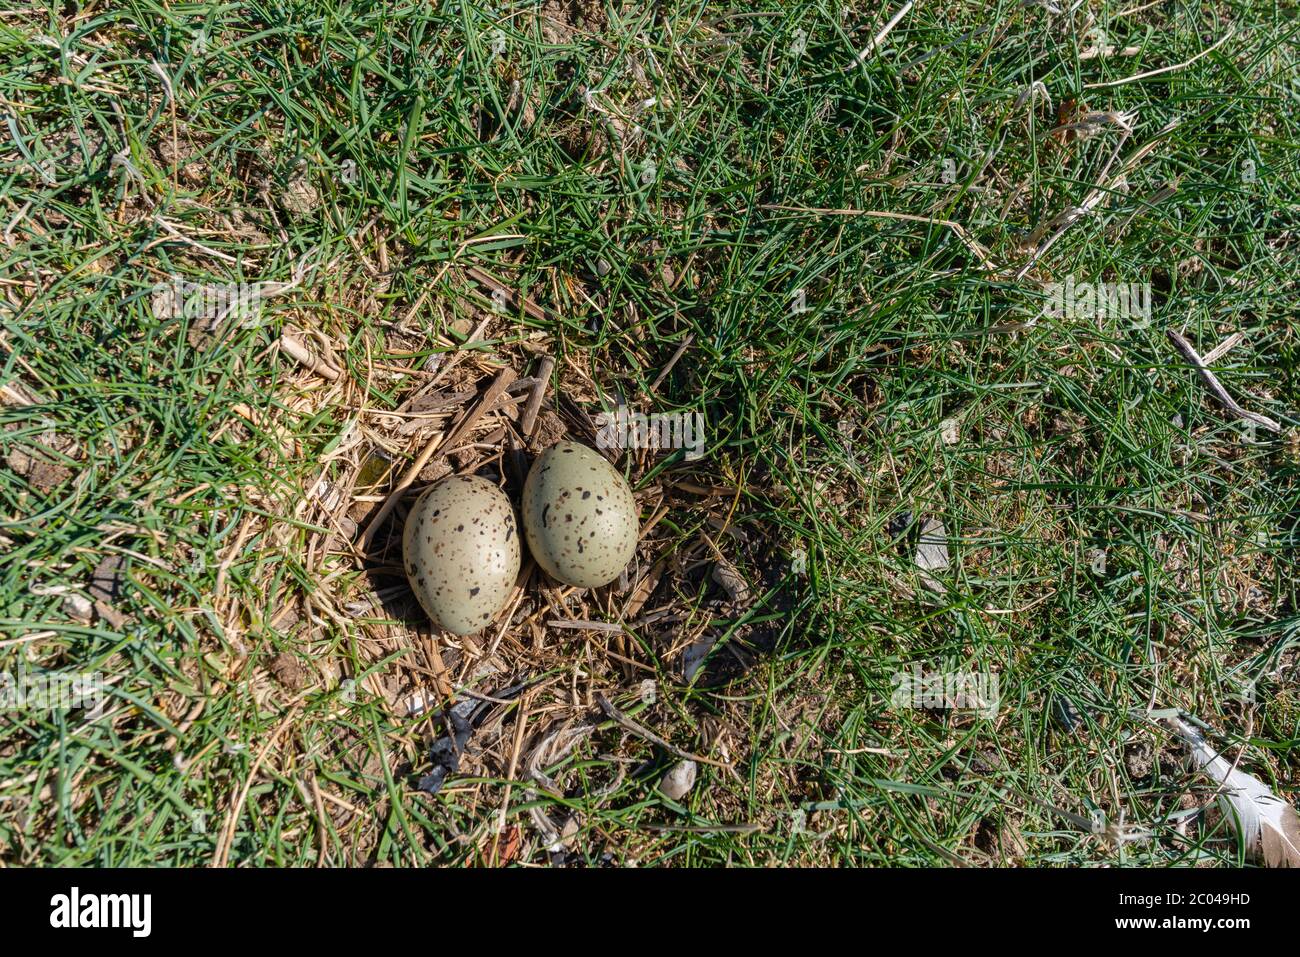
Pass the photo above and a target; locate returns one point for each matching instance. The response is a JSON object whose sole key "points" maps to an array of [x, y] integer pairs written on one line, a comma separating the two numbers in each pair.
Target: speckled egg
{"points": [[580, 518], [461, 552]]}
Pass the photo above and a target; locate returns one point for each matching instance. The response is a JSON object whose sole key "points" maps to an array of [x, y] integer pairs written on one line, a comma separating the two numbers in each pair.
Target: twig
{"points": [[530, 307], [1067, 217], [490, 397], [177, 234], [1164, 69], [879, 38], [110, 614], [619, 718], [534, 405], [1216, 387], [494, 392], [300, 352], [15, 393], [1063, 220], [681, 350], [576, 625], [980, 252], [1222, 349]]}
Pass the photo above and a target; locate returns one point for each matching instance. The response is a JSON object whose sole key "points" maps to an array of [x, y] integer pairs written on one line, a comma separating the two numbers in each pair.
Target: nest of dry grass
{"points": [[694, 606]]}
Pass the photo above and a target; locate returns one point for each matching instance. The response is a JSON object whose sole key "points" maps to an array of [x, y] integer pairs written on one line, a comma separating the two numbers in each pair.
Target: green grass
{"points": [[430, 153]]}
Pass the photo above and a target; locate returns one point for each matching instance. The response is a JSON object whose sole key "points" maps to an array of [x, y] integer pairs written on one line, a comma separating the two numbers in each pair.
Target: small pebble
{"points": [[950, 431], [78, 607], [677, 783]]}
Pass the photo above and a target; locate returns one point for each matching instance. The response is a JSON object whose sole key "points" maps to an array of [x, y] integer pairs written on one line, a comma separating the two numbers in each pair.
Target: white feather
{"points": [[1268, 826]]}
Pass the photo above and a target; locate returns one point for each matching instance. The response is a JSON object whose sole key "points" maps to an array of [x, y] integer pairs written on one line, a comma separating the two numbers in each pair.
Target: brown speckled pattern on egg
{"points": [[460, 549], [580, 518]]}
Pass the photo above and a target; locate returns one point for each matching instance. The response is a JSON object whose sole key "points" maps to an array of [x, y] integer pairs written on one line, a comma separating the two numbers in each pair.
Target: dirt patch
{"points": [[181, 155], [562, 20], [288, 671], [42, 462], [33, 466]]}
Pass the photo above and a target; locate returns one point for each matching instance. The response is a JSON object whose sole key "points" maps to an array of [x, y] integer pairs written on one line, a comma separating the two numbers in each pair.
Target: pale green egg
{"points": [[460, 548], [580, 518]]}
